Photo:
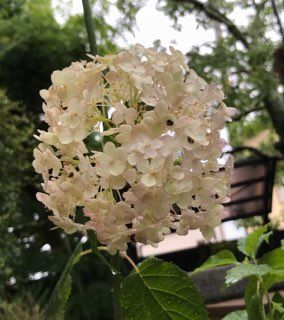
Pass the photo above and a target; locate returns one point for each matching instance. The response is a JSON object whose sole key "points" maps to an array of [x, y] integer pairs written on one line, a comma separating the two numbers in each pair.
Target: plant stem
{"points": [[116, 263], [125, 256], [89, 27], [258, 285], [269, 306], [275, 11]]}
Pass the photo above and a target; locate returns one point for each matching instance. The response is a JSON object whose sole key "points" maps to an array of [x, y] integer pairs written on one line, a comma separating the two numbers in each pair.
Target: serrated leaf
{"points": [[56, 306], [221, 258], [161, 291], [244, 270], [251, 243], [65, 290], [237, 315]]}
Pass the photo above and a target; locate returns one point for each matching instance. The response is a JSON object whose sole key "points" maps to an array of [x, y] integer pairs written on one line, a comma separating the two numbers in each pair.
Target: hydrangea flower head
{"points": [[158, 169]]}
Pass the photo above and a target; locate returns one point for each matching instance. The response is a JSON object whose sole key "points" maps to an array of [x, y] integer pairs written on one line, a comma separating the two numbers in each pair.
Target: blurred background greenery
{"points": [[246, 59]]}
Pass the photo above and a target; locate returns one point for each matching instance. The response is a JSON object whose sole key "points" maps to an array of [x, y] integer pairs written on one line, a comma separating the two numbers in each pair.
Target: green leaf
{"points": [[237, 315], [221, 258], [253, 298], [56, 306], [251, 243], [244, 270], [161, 290], [277, 306], [274, 259], [275, 276]]}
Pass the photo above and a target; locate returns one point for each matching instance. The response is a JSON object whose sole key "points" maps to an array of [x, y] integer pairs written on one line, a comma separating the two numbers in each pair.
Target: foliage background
{"points": [[245, 59]]}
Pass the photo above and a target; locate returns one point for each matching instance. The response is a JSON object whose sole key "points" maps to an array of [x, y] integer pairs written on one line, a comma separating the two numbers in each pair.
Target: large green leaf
{"points": [[274, 259], [244, 270], [161, 290], [251, 243], [237, 315], [56, 306], [221, 258]]}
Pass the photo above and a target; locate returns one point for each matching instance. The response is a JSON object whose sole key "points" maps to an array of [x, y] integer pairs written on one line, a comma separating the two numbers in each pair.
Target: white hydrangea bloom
{"points": [[161, 170]]}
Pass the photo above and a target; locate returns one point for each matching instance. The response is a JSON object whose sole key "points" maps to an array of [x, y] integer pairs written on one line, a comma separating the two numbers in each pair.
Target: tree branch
{"points": [[213, 13], [255, 106], [254, 151], [272, 102], [262, 4], [274, 106], [246, 148], [89, 27], [275, 11], [245, 113], [254, 4]]}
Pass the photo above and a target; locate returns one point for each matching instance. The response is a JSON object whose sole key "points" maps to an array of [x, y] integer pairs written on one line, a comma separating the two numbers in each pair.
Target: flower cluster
{"points": [[157, 170]]}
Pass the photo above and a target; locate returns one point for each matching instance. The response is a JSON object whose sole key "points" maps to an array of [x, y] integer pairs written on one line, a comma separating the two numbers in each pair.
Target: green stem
{"points": [[117, 312], [269, 305], [263, 315], [89, 27]]}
